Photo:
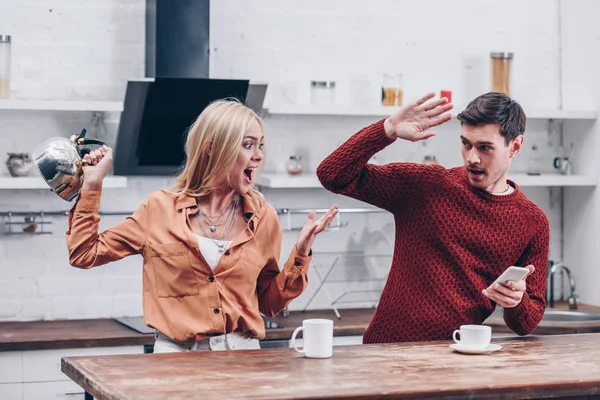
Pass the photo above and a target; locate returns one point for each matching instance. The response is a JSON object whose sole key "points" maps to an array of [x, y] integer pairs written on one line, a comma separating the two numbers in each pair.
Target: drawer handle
{"points": [[73, 392]]}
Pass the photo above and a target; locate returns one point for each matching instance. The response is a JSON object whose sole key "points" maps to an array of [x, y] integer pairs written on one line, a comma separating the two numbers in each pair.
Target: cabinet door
{"points": [[11, 391], [347, 340], [11, 367], [63, 390], [337, 341], [44, 365]]}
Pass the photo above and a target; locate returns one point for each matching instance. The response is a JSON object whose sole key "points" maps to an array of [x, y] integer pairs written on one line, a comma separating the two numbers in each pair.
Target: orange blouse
{"points": [[183, 298]]}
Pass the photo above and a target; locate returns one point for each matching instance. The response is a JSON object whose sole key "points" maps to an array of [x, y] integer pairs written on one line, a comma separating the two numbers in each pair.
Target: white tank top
{"points": [[210, 250]]}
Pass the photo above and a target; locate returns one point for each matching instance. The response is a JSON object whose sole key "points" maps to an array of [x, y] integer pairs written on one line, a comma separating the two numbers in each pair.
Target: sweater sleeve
{"points": [[524, 318], [346, 171]]}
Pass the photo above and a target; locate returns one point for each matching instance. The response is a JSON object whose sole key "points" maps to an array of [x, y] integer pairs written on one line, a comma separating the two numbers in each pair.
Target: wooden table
{"points": [[528, 367]]}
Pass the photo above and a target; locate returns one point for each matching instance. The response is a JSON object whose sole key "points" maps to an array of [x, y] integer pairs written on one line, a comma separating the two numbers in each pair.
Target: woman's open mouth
{"points": [[248, 175]]}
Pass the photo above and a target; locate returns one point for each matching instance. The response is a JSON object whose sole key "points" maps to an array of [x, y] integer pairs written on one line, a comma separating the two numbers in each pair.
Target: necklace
{"points": [[212, 224], [218, 240]]}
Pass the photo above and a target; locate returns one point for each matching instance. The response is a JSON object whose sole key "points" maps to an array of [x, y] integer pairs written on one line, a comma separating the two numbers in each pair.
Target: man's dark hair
{"points": [[495, 108]]}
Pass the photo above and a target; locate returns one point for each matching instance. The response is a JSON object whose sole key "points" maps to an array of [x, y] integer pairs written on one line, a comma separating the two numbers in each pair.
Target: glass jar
{"points": [[430, 160], [4, 66], [534, 161], [294, 165], [501, 64], [322, 93], [391, 90], [473, 80]]}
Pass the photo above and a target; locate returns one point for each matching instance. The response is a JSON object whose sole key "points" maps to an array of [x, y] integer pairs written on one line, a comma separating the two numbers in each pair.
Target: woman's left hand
{"points": [[312, 228]]}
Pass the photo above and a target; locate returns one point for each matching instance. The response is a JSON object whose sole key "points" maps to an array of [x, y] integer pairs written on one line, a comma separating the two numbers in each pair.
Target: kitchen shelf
{"points": [[60, 105], [284, 180], [552, 180], [310, 181], [382, 112], [34, 182]]}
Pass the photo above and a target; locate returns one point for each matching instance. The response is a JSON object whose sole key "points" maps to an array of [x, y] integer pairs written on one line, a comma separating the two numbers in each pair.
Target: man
{"points": [[457, 229]]}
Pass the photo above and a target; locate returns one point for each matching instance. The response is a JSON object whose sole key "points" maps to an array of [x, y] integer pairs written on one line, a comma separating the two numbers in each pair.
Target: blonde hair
{"points": [[220, 129]]}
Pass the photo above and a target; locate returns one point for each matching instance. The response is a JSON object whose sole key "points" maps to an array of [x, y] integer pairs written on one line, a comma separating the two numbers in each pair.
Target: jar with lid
{"points": [[534, 161], [322, 93], [501, 65], [294, 165], [391, 90], [5, 66], [430, 160]]}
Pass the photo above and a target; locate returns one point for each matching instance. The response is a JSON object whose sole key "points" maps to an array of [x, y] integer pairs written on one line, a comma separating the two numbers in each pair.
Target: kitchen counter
{"points": [[38, 335], [64, 334], [526, 367]]}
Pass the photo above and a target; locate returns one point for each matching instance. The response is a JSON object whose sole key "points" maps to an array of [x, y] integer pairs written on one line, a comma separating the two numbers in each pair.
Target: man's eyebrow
{"points": [[480, 143]]}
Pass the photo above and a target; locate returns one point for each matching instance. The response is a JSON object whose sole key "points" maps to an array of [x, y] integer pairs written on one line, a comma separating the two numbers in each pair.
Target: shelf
{"points": [[306, 180], [310, 181], [60, 105], [332, 110], [34, 182], [562, 114], [558, 180], [387, 111]]}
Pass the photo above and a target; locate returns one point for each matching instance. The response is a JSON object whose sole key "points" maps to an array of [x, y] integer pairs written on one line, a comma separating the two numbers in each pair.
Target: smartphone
{"points": [[512, 273]]}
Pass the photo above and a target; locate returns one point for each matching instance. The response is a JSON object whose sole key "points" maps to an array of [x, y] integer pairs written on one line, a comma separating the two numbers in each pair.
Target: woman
{"points": [[210, 245]]}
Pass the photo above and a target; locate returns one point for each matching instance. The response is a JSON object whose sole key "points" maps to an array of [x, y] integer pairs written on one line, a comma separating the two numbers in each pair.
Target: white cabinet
{"points": [[61, 105], [37, 182], [337, 341], [384, 112], [347, 340], [44, 365], [36, 374], [64, 390]]}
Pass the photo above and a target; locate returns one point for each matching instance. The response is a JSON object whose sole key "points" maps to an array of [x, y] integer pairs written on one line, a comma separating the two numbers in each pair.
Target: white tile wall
{"points": [[580, 88], [287, 44]]}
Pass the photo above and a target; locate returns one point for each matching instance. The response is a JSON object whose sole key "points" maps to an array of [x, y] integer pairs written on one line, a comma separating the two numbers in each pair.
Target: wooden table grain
{"points": [[526, 367]]}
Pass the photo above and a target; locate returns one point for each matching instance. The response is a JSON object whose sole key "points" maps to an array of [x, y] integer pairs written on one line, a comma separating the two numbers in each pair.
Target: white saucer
{"points": [[468, 350]]}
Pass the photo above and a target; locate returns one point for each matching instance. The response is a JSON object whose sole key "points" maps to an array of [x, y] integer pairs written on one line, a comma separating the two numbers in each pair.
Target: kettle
{"points": [[60, 162]]}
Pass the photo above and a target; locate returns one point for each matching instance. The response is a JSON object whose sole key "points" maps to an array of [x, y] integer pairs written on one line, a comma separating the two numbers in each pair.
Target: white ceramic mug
{"points": [[473, 336], [317, 336]]}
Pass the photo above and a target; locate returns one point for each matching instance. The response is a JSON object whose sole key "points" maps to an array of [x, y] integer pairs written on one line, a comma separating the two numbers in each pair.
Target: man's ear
{"points": [[516, 145]]}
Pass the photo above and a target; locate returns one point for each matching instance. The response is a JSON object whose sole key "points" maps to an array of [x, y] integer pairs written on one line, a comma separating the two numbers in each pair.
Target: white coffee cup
{"points": [[473, 336], [317, 336]]}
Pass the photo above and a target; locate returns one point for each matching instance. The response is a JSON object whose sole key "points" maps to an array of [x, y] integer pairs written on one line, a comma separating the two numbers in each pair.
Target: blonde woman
{"points": [[210, 245]]}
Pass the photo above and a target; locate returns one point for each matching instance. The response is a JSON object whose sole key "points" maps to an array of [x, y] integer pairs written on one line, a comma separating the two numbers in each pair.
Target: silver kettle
{"points": [[60, 162]]}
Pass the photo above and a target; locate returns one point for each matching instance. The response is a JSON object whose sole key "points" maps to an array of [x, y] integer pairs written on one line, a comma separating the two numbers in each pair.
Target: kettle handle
{"points": [[83, 150]]}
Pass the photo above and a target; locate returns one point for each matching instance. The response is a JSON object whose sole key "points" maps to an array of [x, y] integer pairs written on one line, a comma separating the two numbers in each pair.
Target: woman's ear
{"points": [[208, 148]]}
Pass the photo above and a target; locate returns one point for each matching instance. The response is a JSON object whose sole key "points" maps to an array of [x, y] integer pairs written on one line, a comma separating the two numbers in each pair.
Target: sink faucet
{"points": [[573, 299]]}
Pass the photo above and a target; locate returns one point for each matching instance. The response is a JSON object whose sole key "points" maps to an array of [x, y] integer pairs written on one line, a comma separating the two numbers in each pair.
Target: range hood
{"points": [[159, 109]]}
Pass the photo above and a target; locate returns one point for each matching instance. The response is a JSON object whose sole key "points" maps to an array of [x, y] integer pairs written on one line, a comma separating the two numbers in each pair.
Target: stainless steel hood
{"points": [[177, 38], [159, 109]]}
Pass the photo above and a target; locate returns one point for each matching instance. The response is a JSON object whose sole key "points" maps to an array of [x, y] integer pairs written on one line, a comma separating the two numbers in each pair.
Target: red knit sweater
{"points": [[452, 241]]}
